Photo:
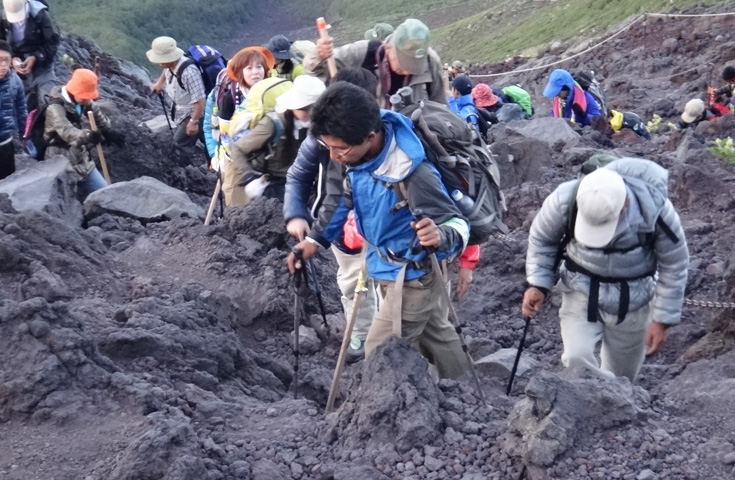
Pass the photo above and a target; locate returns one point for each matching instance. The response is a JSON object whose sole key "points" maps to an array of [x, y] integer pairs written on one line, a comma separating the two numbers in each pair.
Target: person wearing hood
{"points": [[65, 131], [383, 157], [28, 29], [570, 101], [403, 59], [286, 66], [462, 102], [622, 257]]}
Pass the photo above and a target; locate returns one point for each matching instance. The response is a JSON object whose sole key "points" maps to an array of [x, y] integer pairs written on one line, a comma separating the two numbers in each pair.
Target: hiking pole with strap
{"points": [[360, 290], [317, 290], [93, 126], [518, 356], [431, 253]]}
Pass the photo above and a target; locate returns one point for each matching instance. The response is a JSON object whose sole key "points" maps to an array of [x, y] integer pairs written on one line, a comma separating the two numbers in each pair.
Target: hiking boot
{"points": [[356, 350]]}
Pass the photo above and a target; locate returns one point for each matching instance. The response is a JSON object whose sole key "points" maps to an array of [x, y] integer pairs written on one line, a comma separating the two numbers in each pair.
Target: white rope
{"points": [[587, 50]]}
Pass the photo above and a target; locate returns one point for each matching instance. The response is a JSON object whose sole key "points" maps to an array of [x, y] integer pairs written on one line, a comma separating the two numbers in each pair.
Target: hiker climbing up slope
{"points": [[404, 58], [184, 85], [623, 259], [286, 66], [381, 145], [65, 129], [462, 102], [570, 101]]}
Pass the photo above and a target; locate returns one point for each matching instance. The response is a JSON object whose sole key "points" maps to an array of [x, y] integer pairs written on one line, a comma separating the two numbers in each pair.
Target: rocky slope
{"points": [[156, 348]]}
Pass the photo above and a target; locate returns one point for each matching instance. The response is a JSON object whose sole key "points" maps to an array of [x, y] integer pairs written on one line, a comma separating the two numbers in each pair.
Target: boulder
{"points": [[500, 363], [396, 404], [520, 160], [145, 199], [547, 129], [557, 412], [49, 186], [156, 124]]}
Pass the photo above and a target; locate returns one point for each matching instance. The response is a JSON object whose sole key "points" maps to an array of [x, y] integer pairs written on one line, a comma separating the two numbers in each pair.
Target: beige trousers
{"points": [[349, 270], [424, 322], [622, 352]]}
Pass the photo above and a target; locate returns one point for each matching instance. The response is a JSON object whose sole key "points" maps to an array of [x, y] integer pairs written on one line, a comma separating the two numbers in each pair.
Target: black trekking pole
{"points": [[317, 290], [518, 356], [165, 112], [431, 253], [297, 308]]}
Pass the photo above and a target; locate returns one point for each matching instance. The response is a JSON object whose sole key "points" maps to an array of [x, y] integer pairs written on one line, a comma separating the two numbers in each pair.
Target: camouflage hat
{"points": [[411, 42], [379, 32]]}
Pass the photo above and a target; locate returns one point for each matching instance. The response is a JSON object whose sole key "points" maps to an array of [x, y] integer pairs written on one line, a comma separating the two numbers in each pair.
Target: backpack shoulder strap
{"points": [[180, 71]]}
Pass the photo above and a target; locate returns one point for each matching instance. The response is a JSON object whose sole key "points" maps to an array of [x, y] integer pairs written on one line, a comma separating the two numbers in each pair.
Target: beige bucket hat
{"points": [[164, 50]]}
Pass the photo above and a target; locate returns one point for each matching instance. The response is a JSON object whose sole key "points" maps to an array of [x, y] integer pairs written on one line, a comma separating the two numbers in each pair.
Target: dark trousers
{"points": [[7, 159]]}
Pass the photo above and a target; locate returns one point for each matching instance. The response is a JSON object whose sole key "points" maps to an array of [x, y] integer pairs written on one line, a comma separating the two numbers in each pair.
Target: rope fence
{"points": [[602, 42]]}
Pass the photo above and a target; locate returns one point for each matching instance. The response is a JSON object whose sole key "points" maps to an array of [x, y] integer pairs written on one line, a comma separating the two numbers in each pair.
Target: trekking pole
{"points": [[452, 313], [297, 319], [213, 202], [165, 112], [317, 290], [360, 290], [93, 126], [322, 26], [518, 356]]}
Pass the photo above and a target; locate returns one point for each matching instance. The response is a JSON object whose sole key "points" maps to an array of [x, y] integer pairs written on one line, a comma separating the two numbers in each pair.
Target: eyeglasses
{"points": [[337, 151]]}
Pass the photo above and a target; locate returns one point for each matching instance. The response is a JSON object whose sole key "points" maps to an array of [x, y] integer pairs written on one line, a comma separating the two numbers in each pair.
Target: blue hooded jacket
{"points": [[387, 229], [464, 106], [560, 78]]}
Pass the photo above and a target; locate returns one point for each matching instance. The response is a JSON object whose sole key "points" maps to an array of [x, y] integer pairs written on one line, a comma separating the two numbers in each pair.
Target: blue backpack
{"points": [[209, 62]]}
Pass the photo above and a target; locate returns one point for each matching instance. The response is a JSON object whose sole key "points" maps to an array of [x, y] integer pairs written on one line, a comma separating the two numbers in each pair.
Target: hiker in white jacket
{"points": [[624, 265]]}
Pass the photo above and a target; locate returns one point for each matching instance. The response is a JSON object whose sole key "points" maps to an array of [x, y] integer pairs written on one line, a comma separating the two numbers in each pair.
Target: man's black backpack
{"points": [[596, 161], [464, 163], [586, 79]]}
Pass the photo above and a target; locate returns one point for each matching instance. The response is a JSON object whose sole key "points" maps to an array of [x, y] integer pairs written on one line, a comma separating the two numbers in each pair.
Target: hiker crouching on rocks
{"points": [[695, 112], [249, 66], [12, 110], [63, 132], [570, 100], [184, 86], [624, 267], [382, 154], [313, 168], [404, 58], [27, 27]]}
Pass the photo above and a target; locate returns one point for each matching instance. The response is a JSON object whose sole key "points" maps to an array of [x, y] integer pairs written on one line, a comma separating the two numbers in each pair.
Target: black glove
{"points": [[93, 137], [117, 138]]}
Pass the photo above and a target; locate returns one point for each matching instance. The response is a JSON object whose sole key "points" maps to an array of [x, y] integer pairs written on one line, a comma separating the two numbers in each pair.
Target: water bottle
{"points": [[465, 204]]}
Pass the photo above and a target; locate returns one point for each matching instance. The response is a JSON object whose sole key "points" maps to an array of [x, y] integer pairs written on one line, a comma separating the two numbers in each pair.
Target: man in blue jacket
{"points": [[388, 178], [462, 102], [570, 100]]}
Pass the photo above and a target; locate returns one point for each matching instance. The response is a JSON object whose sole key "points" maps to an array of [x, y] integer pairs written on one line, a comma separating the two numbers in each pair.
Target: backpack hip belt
{"points": [[594, 296]]}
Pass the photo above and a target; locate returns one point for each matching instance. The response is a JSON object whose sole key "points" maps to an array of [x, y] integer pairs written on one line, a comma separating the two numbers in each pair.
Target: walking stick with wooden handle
{"points": [[322, 26], [213, 203], [93, 126], [360, 290]]}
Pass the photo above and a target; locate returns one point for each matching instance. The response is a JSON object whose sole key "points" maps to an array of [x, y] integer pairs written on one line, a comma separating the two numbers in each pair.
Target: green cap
{"points": [[379, 32], [411, 40]]}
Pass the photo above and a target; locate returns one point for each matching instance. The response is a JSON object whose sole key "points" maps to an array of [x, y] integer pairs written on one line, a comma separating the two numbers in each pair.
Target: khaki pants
{"points": [[424, 323], [349, 270], [231, 179], [622, 352]]}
